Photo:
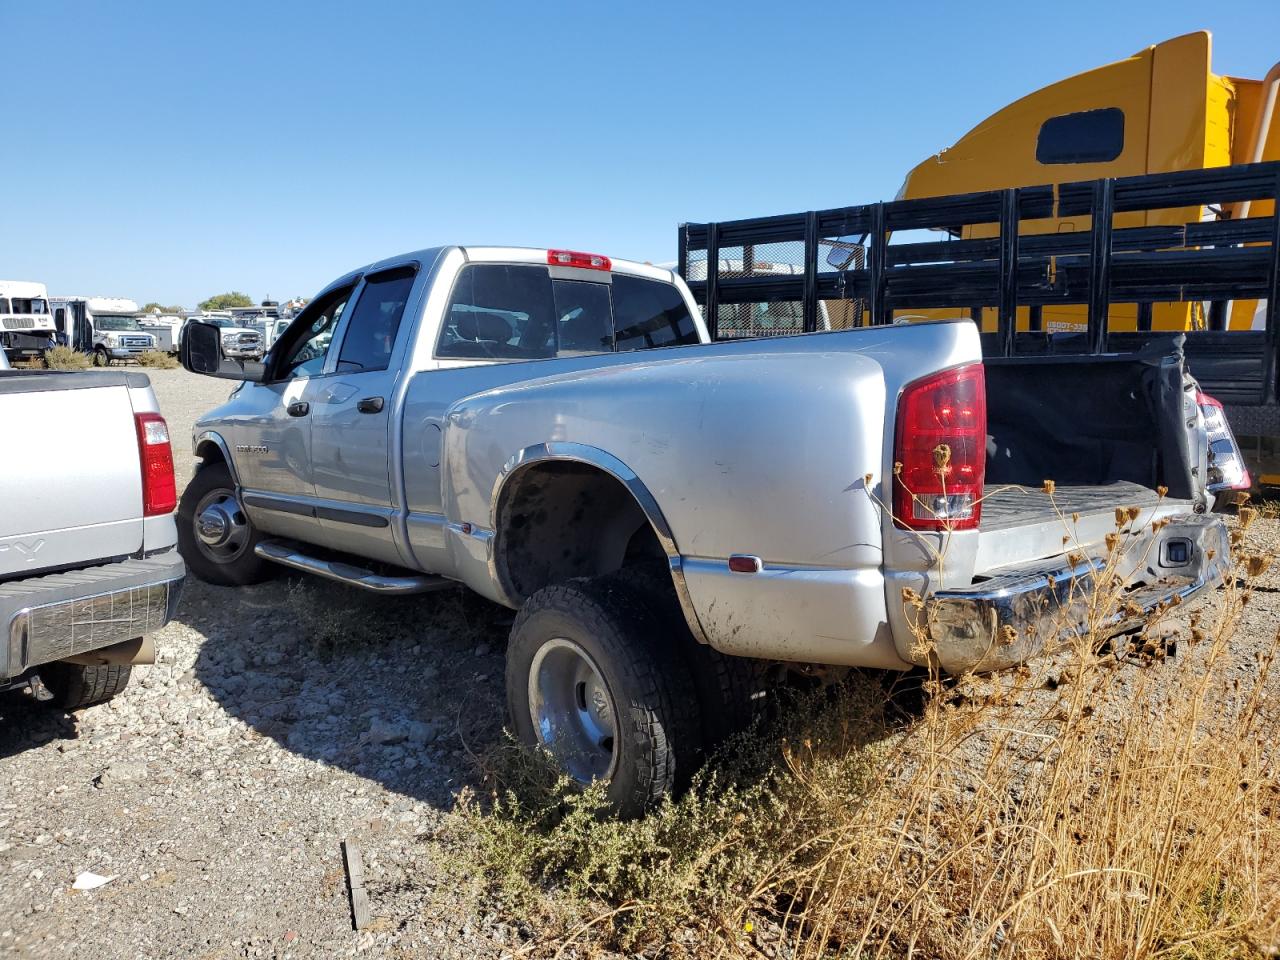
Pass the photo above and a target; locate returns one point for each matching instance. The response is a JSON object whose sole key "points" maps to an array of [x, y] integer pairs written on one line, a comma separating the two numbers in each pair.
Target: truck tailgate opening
{"points": [[1089, 422]]}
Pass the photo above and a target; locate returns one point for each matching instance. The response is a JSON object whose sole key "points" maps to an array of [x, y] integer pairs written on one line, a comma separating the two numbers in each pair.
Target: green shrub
{"points": [[64, 358], [158, 360]]}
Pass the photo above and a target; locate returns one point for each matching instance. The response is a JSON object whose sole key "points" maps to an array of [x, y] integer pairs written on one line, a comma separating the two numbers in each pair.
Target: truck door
{"points": [[271, 434], [351, 419]]}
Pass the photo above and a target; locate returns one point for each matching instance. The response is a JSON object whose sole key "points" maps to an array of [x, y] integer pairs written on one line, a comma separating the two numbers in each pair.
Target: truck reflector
{"points": [[940, 451], [572, 258], [159, 489]]}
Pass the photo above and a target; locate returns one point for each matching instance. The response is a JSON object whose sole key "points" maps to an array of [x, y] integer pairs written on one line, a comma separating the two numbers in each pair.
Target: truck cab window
{"points": [[306, 356], [499, 312], [647, 313], [1090, 136], [375, 321], [584, 320]]}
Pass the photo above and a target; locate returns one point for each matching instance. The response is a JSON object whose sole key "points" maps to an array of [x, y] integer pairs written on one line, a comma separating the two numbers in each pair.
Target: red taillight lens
{"points": [[572, 258], [159, 490], [940, 451]]}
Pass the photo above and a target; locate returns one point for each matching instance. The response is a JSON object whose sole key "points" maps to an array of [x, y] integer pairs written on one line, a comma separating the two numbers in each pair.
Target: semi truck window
{"points": [[375, 321], [584, 322], [1091, 136], [648, 313], [500, 312]]}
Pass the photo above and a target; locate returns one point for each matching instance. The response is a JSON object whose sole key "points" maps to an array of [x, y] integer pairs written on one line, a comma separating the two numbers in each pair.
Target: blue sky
{"points": [[169, 151]]}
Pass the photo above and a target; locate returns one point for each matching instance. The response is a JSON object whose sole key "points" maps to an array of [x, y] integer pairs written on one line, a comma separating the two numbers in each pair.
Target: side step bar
{"points": [[348, 573]]}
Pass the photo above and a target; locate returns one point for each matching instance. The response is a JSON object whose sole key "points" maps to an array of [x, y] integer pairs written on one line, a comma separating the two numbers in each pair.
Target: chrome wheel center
{"points": [[213, 525], [573, 711], [222, 530]]}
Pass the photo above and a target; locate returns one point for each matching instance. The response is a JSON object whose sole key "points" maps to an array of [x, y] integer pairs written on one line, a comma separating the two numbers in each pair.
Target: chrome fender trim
{"points": [[212, 436], [594, 456]]}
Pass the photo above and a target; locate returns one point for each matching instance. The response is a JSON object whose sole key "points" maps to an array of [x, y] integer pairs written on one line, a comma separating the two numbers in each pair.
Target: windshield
{"points": [[25, 305], [110, 322]]}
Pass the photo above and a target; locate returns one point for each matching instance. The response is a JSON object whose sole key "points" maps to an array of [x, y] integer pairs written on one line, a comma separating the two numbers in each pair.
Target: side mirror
{"points": [[201, 352]]}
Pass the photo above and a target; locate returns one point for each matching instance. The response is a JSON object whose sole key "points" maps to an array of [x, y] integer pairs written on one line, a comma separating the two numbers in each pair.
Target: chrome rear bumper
{"points": [[1016, 614], [68, 614]]}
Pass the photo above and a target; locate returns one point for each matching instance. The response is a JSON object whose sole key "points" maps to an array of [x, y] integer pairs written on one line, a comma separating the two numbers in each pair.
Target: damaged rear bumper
{"points": [[1018, 613]]}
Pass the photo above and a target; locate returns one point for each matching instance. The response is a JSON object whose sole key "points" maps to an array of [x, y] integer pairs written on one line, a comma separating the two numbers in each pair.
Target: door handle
{"points": [[369, 405], [299, 408]]}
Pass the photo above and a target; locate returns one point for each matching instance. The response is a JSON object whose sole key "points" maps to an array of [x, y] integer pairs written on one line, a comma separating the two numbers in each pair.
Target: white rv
{"points": [[106, 327], [26, 325]]}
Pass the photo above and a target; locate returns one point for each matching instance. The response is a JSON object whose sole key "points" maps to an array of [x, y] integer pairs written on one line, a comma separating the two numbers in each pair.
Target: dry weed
{"points": [[1109, 801]]}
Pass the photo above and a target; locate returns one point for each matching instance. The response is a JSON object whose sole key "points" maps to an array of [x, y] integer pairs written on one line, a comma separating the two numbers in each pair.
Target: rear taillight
{"points": [[940, 451], [572, 258], [1226, 463], [159, 491]]}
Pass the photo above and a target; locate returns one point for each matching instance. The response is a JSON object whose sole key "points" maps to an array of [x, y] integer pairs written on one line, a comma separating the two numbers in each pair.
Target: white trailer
{"points": [[106, 327], [26, 324], [166, 328]]}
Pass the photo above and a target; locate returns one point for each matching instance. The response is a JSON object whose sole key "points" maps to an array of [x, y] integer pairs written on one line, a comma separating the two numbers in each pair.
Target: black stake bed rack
{"points": [[829, 269]]}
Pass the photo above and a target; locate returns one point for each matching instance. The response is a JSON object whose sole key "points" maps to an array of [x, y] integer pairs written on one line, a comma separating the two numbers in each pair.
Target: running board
{"points": [[349, 574]]}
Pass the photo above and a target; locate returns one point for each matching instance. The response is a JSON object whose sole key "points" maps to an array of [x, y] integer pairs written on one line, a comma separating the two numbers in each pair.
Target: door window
{"points": [[375, 321], [305, 357]]}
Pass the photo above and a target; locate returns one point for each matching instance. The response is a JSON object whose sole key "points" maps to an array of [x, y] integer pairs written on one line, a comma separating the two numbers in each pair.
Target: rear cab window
{"points": [[519, 312]]}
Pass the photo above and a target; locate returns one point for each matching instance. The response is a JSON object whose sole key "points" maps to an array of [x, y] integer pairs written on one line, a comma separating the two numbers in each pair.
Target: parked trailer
{"points": [[26, 325], [1229, 259]]}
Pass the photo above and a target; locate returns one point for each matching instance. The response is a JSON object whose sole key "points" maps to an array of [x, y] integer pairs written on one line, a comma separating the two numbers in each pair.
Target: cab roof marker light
{"points": [[574, 258]]}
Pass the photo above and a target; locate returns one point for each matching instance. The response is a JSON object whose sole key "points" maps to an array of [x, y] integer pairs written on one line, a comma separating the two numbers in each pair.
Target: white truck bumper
{"points": [[64, 615]]}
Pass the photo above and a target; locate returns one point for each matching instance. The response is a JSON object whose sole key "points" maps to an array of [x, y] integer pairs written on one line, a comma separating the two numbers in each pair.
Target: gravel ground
{"points": [[279, 720], [217, 789]]}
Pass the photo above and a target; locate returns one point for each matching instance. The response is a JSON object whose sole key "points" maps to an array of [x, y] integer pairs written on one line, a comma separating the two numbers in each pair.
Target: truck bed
{"points": [[1009, 505]]}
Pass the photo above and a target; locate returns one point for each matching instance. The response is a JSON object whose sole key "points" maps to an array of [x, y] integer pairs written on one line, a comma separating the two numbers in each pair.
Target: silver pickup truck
{"points": [[549, 428], [88, 548]]}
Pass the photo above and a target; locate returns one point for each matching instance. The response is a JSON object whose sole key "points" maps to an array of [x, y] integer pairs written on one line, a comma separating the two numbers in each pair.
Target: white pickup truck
{"points": [[549, 427], [88, 549]]}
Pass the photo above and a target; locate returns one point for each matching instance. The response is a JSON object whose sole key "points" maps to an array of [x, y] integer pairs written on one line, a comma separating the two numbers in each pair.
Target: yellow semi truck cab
{"points": [[1160, 110]]}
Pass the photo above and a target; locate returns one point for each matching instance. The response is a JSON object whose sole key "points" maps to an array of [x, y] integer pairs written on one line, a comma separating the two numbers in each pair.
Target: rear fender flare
{"points": [[565, 451]]}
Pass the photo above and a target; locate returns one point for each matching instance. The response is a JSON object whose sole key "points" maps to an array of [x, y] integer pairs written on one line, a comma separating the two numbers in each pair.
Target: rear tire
{"points": [[76, 685], [211, 494], [592, 678], [733, 692]]}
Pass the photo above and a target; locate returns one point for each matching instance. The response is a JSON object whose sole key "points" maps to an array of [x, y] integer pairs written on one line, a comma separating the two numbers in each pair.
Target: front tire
{"points": [[101, 358], [592, 678], [76, 685], [215, 536]]}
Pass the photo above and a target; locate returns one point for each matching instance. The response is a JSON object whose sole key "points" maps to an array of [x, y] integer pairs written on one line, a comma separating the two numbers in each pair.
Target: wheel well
{"points": [[210, 453], [564, 519]]}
